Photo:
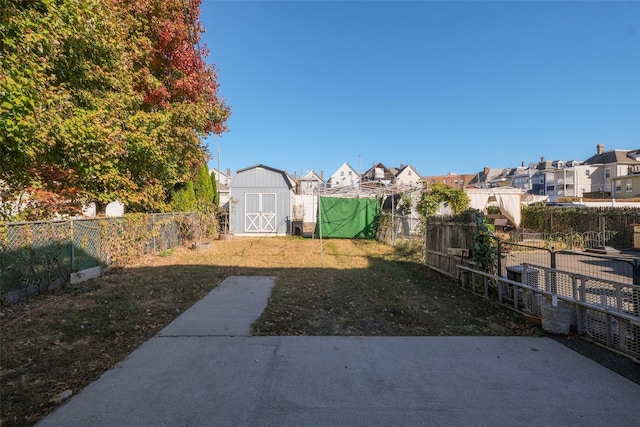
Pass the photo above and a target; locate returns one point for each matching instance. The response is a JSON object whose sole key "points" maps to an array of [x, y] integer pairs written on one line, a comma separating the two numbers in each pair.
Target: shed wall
{"points": [[262, 181]]}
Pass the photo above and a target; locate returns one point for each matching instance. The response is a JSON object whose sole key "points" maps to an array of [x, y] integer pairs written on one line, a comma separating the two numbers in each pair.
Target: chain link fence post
{"points": [[554, 284], [73, 251], [153, 232]]}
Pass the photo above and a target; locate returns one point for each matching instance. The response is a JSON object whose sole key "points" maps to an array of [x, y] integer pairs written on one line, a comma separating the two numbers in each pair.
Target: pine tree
{"points": [[184, 198], [203, 189]]}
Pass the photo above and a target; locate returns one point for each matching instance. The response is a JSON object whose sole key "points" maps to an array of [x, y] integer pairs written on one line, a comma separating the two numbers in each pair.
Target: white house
{"points": [[311, 182], [345, 176], [222, 181], [407, 176]]}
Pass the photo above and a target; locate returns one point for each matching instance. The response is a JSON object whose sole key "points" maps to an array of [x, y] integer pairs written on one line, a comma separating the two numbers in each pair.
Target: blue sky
{"points": [[444, 86]]}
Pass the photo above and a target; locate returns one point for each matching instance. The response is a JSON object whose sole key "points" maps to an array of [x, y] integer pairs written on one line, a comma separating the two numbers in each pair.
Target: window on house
{"points": [[341, 173], [409, 173], [588, 172], [629, 186], [462, 182], [607, 173], [456, 181], [618, 186], [349, 173], [444, 181]]}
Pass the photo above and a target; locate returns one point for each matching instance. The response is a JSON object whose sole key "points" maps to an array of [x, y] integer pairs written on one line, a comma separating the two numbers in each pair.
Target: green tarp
{"points": [[348, 218]]}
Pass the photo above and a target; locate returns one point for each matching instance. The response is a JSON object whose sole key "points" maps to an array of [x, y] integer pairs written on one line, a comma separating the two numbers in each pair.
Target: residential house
{"points": [[261, 201], [378, 175], [570, 179], [345, 176], [492, 178], [407, 177], [542, 179], [522, 177], [451, 179], [612, 169], [222, 181], [559, 178], [311, 183], [502, 179], [628, 186]]}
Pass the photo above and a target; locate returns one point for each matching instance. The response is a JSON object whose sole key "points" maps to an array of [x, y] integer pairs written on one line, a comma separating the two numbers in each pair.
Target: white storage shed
{"points": [[261, 201]]}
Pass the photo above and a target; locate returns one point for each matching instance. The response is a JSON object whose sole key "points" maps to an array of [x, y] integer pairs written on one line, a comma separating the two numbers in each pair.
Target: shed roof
{"points": [[287, 178]]}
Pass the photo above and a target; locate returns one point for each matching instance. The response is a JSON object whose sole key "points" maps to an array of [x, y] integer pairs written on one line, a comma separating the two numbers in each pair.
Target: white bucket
{"points": [[556, 319]]}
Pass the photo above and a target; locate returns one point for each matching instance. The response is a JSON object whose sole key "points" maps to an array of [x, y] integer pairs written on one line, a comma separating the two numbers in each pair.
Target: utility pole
{"points": [[359, 171], [218, 174]]}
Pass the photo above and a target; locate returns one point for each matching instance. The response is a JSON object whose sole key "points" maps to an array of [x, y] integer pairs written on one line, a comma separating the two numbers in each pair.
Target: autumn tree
{"points": [[103, 100]]}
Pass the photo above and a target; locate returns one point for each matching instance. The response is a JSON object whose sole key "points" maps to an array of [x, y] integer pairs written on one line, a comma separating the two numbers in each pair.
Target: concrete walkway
{"points": [[205, 370]]}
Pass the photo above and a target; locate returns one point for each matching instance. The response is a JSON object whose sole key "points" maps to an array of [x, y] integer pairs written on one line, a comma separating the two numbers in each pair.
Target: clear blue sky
{"points": [[444, 86]]}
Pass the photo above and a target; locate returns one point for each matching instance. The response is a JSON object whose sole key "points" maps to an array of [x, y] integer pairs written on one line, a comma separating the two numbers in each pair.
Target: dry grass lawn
{"points": [[54, 345]]}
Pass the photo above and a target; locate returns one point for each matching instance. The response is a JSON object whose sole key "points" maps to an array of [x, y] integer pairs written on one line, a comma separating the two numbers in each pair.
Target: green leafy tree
{"points": [[438, 193], [485, 246], [184, 198], [203, 190]]}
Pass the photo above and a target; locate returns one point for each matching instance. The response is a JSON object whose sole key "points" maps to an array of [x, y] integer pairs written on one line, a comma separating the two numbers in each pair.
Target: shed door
{"points": [[259, 212]]}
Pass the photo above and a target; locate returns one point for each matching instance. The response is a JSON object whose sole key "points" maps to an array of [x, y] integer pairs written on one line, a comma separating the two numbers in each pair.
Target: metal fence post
{"points": [[635, 298], [73, 250], [554, 285], [499, 257], [153, 231]]}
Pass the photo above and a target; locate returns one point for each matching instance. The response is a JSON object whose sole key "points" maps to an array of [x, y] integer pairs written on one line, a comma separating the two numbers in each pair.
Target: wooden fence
{"points": [[448, 244]]}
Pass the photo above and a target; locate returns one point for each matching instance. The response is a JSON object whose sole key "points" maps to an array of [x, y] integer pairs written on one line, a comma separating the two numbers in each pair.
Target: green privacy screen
{"points": [[348, 218]]}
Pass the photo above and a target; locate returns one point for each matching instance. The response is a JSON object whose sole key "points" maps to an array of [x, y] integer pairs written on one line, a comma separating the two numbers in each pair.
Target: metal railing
{"points": [[585, 240], [601, 288], [605, 311], [616, 265]]}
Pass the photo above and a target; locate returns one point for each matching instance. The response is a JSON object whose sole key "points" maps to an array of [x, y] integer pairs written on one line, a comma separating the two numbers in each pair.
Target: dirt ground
{"points": [[54, 345]]}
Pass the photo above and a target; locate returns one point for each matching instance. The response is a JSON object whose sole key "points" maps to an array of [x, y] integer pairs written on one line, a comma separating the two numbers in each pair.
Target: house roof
{"points": [[489, 174], [381, 167], [312, 176], [347, 165], [220, 173], [287, 178], [614, 156], [402, 169]]}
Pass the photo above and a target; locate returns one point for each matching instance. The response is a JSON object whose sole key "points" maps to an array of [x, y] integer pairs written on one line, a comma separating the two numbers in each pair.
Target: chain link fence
{"points": [[394, 227], [40, 256]]}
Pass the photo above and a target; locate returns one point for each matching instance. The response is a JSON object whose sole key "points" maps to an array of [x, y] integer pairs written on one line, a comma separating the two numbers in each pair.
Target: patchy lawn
{"points": [[54, 345]]}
